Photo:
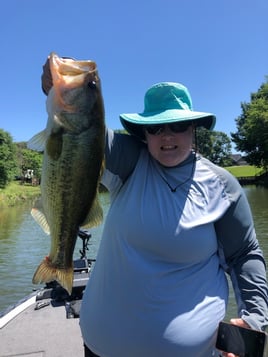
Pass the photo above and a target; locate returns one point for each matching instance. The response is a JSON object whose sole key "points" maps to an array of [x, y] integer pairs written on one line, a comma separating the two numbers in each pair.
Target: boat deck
{"points": [[43, 332], [46, 323]]}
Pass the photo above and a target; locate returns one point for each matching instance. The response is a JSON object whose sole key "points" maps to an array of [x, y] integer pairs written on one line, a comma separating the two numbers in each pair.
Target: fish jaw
{"points": [[71, 74], [69, 68], [74, 97]]}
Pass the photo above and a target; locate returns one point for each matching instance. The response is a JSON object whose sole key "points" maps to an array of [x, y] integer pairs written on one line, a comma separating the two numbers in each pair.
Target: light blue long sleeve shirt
{"points": [[159, 287]]}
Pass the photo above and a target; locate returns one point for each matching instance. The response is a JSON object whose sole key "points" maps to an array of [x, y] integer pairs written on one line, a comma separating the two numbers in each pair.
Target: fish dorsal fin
{"points": [[38, 141], [95, 215], [40, 218]]}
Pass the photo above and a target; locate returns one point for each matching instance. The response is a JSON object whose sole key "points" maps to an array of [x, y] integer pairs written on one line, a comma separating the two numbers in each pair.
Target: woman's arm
{"points": [[121, 155], [243, 257]]}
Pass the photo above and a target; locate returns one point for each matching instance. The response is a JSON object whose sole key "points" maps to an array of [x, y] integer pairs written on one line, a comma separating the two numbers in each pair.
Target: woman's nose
{"points": [[167, 130]]}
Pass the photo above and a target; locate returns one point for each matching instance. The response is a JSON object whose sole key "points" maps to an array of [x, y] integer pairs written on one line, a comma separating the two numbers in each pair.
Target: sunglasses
{"points": [[157, 129]]}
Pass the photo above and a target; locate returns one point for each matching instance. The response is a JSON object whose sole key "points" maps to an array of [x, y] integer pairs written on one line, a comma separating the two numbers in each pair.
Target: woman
{"points": [[176, 224]]}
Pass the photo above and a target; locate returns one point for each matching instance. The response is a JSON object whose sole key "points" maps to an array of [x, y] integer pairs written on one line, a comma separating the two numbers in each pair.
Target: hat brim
{"points": [[134, 122]]}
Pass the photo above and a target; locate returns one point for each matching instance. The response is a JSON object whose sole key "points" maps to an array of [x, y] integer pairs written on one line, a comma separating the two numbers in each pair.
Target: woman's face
{"points": [[168, 147]]}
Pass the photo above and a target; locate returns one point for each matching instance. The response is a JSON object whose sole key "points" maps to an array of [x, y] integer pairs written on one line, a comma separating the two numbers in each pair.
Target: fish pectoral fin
{"points": [[95, 215], [46, 272], [38, 141], [40, 218]]}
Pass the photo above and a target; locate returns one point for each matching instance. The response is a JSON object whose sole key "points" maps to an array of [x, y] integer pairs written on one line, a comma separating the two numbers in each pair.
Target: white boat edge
{"points": [[16, 311]]}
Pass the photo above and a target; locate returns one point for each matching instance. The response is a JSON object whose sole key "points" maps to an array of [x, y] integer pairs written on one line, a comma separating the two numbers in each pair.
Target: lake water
{"points": [[23, 245]]}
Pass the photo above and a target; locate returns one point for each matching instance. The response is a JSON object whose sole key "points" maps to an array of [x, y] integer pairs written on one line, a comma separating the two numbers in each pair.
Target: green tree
{"points": [[29, 159], [251, 137], [32, 160], [214, 145], [203, 142], [8, 164]]}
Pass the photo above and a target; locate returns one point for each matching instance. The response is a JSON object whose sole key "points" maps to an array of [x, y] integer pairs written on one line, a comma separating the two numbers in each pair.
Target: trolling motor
{"points": [[82, 268], [83, 264], [85, 236]]}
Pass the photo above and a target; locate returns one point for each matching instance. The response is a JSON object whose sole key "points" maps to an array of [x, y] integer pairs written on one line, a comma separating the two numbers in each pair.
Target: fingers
{"points": [[239, 322]]}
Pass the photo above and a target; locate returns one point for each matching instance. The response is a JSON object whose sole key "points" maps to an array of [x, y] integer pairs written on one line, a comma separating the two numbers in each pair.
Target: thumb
{"points": [[239, 322]]}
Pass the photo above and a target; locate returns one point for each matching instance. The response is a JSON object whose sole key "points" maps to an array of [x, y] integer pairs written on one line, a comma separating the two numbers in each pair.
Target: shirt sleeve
{"points": [[243, 258], [121, 155]]}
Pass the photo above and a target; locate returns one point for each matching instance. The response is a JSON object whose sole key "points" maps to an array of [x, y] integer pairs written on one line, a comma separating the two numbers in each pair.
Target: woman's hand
{"points": [[237, 322]]}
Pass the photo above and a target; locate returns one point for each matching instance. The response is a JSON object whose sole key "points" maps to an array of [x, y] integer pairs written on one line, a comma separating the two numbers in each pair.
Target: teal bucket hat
{"points": [[164, 103]]}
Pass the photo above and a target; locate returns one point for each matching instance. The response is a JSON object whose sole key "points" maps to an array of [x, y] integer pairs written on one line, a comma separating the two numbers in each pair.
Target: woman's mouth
{"points": [[168, 147]]}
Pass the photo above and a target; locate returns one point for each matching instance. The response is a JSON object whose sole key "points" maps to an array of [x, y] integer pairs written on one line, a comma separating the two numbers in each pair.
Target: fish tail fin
{"points": [[46, 272]]}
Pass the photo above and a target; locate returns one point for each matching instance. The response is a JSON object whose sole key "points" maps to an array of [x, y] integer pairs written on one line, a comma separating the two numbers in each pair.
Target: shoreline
{"points": [[16, 193]]}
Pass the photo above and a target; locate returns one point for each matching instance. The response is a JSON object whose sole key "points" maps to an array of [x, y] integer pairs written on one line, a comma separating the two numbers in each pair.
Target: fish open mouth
{"points": [[68, 70], [71, 74], [69, 66]]}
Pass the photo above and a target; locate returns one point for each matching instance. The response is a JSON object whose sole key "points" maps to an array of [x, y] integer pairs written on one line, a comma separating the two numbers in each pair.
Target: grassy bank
{"points": [[16, 193], [244, 171]]}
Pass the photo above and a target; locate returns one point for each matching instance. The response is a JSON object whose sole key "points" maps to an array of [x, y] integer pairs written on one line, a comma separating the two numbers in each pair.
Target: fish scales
{"points": [[73, 144]]}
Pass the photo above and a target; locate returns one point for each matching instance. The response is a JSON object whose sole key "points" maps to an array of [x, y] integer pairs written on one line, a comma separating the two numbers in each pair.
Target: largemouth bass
{"points": [[73, 145]]}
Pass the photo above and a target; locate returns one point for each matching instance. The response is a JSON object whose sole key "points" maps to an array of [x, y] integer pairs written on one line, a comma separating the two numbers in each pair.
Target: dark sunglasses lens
{"points": [[174, 127], [154, 129], [179, 127]]}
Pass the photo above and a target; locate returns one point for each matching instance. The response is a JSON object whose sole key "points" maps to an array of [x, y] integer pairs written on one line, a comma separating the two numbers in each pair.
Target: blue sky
{"points": [[217, 48]]}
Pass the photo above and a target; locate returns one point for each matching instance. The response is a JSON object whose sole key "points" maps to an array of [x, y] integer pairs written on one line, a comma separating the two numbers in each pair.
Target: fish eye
{"points": [[92, 85]]}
